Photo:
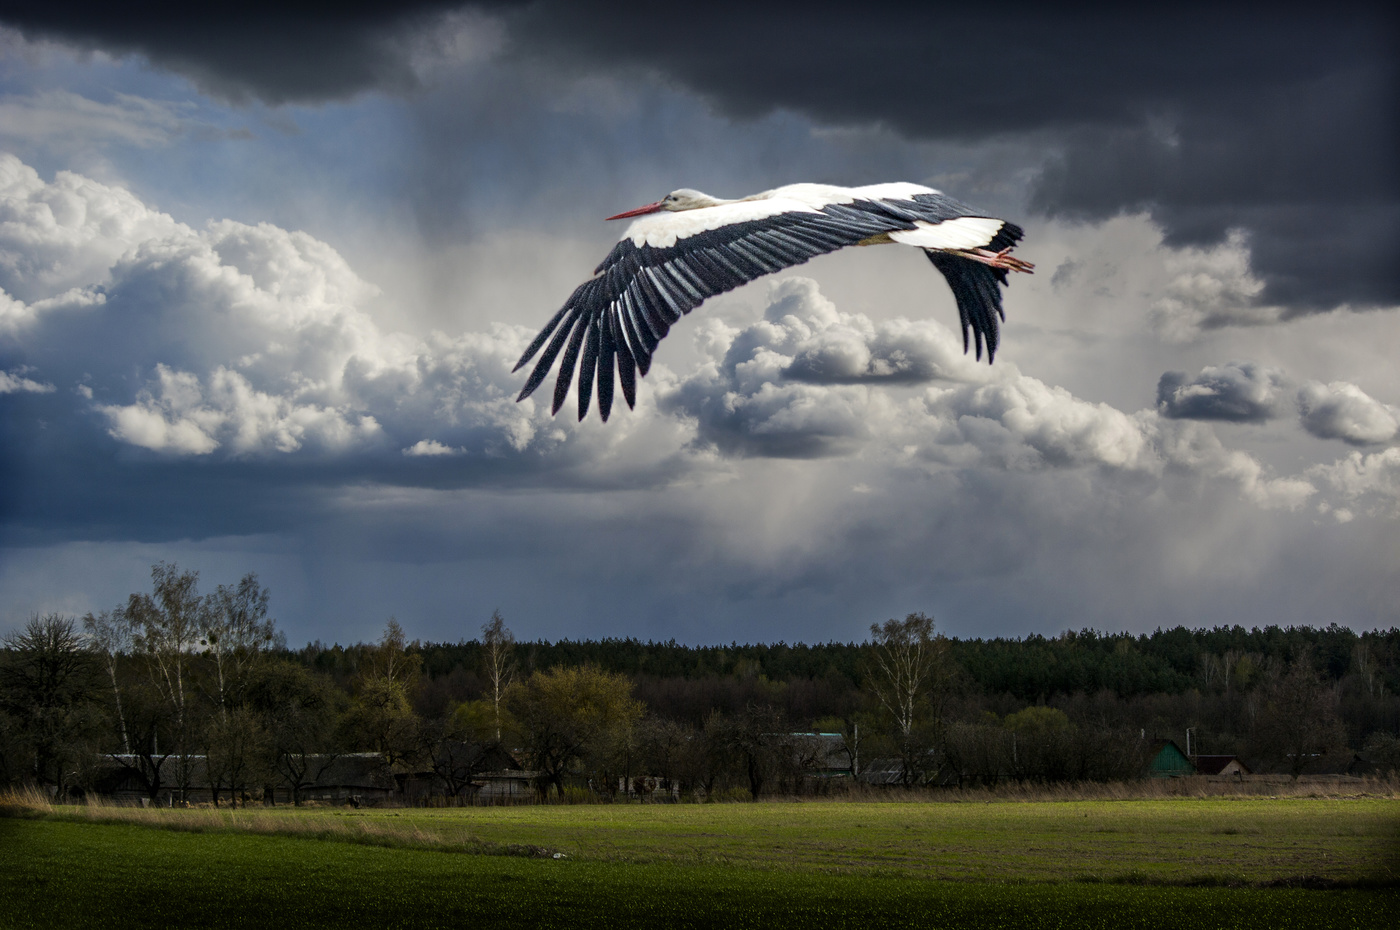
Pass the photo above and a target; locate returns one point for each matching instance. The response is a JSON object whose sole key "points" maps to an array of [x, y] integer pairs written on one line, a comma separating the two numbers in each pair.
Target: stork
{"points": [[689, 246]]}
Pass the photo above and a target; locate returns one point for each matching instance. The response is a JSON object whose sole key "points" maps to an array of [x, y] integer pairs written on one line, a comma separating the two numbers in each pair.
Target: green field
{"points": [[1211, 863]]}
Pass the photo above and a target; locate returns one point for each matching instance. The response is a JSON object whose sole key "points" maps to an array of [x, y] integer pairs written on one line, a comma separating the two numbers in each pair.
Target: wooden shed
{"points": [[1222, 765], [1166, 760]]}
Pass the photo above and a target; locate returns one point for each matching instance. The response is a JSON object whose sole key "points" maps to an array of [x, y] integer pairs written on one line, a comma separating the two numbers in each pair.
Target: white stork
{"points": [[689, 246]]}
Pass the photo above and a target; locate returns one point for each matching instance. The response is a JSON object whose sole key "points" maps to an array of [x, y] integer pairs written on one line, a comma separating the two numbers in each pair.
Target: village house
{"points": [[1222, 765], [347, 778], [1166, 760]]}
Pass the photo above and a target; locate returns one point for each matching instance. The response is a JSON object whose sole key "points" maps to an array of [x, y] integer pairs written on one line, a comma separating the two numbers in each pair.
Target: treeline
{"points": [[1033, 669], [180, 690]]}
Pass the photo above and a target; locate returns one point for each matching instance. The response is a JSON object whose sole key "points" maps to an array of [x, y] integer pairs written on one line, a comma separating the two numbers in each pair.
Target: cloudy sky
{"points": [[263, 276]]}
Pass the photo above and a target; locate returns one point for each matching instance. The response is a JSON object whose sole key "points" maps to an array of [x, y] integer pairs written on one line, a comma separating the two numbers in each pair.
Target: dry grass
{"points": [[1254, 786], [31, 801], [25, 802], [323, 824]]}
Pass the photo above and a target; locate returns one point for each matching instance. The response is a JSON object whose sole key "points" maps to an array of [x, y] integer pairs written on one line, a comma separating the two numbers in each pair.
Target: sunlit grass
{"points": [[1165, 841]]}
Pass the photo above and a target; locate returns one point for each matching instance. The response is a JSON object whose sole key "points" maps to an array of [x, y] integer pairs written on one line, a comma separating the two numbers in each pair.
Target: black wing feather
{"points": [[588, 368], [976, 288], [544, 333], [626, 364], [566, 366], [607, 350], [547, 359], [641, 351]]}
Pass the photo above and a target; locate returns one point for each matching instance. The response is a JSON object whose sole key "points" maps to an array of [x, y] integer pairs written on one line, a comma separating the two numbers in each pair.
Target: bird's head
{"points": [[674, 202]]}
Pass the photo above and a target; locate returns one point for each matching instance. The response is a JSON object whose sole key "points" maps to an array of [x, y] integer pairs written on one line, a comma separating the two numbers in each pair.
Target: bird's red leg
{"points": [[1003, 259]]}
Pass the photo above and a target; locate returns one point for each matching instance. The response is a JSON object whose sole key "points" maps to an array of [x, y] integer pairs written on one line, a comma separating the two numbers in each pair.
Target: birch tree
{"points": [[234, 630], [382, 716], [165, 627], [498, 649], [110, 638], [907, 668]]}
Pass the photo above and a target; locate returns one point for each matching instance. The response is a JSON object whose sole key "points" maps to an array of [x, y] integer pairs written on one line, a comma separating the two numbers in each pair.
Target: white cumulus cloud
{"points": [[1362, 477], [429, 447], [1340, 410], [241, 341], [67, 234]]}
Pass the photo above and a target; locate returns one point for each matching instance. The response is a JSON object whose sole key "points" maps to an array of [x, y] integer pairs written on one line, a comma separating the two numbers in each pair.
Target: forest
{"points": [[174, 676]]}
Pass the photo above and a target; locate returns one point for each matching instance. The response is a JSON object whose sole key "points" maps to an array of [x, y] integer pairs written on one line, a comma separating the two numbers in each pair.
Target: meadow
{"points": [[1212, 862]]}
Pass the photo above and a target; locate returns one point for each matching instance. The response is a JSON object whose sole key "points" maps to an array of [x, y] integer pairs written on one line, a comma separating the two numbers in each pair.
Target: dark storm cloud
{"points": [[1237, 392], [275, 51], [954, 70], [1308, 168], [1278, 121]]}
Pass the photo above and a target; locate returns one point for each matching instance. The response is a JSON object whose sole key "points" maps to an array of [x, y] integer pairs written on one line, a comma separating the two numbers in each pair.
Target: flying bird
{"points": [[690, 246]]}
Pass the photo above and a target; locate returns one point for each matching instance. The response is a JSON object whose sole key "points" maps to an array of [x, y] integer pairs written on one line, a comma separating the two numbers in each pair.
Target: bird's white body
{"points": [[690, 246], [663, 229]]}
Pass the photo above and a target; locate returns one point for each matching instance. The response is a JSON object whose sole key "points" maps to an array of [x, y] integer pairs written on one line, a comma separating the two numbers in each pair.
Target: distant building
{"points": [[346, 778], [1166, 760], [887, 772], [1222, 765]]}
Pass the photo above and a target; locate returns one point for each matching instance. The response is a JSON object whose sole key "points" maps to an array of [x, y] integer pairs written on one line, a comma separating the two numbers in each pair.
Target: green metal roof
{"points": [[1169, 762]]}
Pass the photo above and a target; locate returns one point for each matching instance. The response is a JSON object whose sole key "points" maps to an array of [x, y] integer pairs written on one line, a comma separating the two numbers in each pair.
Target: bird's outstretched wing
{"points": [[614, 320]]}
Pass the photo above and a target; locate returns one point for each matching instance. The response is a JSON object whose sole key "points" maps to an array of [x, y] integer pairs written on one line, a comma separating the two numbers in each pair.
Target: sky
{"points": [[264, 273]]}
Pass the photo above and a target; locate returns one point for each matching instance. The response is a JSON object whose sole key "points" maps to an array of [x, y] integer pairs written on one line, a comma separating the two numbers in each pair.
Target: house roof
{"points": [[354, 770], [1215, 764], [1168, 759], [888, 771]]}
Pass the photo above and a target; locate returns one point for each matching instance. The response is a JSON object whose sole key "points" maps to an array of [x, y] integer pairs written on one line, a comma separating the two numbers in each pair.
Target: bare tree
{"points": [[110, 637], [165, 628], [1364, 665], [381, 716], [754, 741], [663, 744], [234, 630], [1383, 750], [238, 747], [392, 659], [460, 746], [498, 645], [908, 675], [148, 716], [1299, 718]]}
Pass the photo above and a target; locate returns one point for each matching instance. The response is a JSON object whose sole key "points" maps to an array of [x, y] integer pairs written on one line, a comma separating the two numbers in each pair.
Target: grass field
{"points": [[1210, 863]]}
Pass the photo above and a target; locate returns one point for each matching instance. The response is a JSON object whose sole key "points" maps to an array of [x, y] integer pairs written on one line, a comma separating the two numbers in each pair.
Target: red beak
{"points": [[649, 208]]}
